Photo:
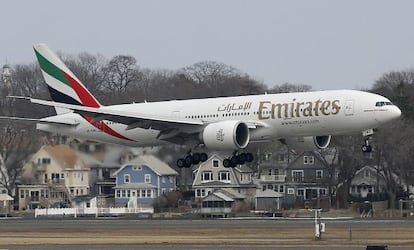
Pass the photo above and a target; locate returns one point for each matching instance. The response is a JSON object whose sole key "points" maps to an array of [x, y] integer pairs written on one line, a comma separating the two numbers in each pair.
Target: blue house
{"points": [[142, 180]]}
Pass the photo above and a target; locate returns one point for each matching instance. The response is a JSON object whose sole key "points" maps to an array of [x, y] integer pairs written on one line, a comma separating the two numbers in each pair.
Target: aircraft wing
{"points": [[131, 119]]}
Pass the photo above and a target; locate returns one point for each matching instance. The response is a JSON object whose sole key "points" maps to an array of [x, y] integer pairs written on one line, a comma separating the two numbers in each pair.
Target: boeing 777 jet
{"points": [[304, 121]]}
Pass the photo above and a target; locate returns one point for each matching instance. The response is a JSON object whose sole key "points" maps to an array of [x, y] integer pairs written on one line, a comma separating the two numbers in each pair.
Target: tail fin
{"points": [[63, 85]]}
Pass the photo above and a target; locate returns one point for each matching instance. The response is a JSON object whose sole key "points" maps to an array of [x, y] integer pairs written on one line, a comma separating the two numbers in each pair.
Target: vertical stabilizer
{"points": [[63, 85]]}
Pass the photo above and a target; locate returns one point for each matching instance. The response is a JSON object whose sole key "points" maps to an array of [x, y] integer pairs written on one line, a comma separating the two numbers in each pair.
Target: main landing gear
{"points": [[366, 147], [191, 159], [237, 159], [231, 162]]}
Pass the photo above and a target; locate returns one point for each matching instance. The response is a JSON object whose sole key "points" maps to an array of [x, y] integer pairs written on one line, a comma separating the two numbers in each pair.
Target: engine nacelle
{"points": [[226, 135], [308, 143]]}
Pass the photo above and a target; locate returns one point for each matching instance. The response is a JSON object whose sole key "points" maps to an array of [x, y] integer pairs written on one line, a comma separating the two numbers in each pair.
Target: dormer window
{"points": [[308, 160], [215, 163], [127, 178]]}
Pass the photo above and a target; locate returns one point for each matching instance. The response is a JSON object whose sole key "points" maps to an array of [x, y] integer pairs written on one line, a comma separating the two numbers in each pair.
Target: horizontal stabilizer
{"points": [[48, 120]]}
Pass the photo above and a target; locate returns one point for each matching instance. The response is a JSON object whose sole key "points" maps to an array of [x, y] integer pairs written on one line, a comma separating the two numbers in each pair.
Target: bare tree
{"points": [[289, 88], [122, 70], [17, 142]]}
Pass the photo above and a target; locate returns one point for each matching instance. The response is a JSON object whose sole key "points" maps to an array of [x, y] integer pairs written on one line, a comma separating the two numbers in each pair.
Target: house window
{"points": [[128, 193], [127, 178], [206, 176], [301, 192], [297, 175], [147, 178], [62, 176], [281, 157], [118, 193], [149, 193], [281, 189], [269, 171], [137, 168], [309, 160], [264, 188], [143, 193], [224, 176], [163, 179], [164, 190], [139, 193], [46, 161], [171, 178], [22, 194], [215, 163], [319, 174], [291, 191]]}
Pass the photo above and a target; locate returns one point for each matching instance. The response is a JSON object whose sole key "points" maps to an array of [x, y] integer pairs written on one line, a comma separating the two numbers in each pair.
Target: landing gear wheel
{"points": [[226, 163], [196, 158], [181, 163], [188, 160], [249, 157], [234, 160], [203, 157], [366, 148], [241, 158]]}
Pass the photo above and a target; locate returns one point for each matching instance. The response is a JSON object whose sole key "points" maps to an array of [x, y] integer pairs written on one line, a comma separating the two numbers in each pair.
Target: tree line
{"points": [[121, 79]]}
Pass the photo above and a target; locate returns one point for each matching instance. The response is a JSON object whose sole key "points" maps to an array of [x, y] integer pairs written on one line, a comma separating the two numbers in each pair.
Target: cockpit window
{"points": [[380, 104]]}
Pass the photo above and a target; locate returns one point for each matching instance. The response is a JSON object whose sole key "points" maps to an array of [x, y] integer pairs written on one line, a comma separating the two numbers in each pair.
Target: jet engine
{"points": [[308, 143], [226, 135]]}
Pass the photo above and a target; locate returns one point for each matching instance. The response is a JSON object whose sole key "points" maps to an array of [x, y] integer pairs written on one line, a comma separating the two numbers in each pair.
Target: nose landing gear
{"points": [[366, 147]]}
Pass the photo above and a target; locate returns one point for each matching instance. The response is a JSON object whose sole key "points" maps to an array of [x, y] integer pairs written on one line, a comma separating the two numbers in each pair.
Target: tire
{"points": [[234, 160], [181, 163], [196, 158], [188, 160], [249, 157], [241, 158], [203, 157], [226, 163]]}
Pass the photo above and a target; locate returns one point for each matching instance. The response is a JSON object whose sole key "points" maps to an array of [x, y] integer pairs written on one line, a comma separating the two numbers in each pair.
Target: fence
{"points": [[91, 211]]}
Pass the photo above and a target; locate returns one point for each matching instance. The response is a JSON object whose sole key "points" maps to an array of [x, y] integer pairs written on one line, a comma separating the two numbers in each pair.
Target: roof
{"points": [[63, 154], [5, 197], [158, 166], [135, 186], [243, 169], [217, 194]]}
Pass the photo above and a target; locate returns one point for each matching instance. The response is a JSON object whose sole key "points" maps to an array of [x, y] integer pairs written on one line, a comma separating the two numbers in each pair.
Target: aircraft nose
{"points": [[396, 112]]}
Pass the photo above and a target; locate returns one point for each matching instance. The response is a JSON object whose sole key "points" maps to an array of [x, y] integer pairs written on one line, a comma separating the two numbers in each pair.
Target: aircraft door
{"points": [[349, 107], [176, 114]]}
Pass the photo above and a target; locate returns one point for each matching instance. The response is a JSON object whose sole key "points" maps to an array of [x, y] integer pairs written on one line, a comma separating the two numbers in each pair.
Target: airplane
{"points": [[303, 121]]}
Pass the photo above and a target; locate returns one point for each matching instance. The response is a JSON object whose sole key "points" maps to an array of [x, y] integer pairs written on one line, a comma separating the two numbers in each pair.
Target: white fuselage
{"points": [[276, 116]]}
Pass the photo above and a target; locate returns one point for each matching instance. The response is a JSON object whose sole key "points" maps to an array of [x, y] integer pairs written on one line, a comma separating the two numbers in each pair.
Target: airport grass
{"points": [[211, 236]]}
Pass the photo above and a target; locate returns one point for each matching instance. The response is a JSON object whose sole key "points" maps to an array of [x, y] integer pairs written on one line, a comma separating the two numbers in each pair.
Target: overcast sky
{"points": [[326, 44]]}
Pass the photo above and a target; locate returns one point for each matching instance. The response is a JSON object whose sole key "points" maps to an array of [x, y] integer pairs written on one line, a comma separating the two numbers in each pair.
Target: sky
{"points": [[328, 44]]}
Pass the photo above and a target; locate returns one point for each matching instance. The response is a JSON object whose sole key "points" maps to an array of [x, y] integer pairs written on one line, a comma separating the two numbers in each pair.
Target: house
{"points": [[367, 180], [237, 183], [268, 201], [52, 177], [142, 180], [272, 170], [308, 181], [217, 204]]}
